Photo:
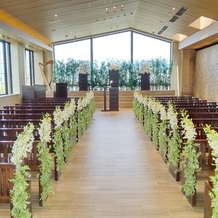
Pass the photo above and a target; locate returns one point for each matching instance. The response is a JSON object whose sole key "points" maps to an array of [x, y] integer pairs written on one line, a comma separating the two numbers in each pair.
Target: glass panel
{"points": [[29, 71], [75, 50], [145, 47], [112, 47]]}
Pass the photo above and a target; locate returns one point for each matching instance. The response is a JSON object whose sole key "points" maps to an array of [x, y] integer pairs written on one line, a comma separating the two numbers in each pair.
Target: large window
{"points": [[115, 47], [5, 69], [112, 47], [79, 50], [29, 73], [146, 47]]}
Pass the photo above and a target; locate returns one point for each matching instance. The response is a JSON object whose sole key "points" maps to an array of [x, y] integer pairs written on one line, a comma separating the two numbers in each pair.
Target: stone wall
{"points": [[188, 68], [206, 74]]}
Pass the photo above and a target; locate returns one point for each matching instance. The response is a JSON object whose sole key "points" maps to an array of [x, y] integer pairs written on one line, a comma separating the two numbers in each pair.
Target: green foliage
{"points": [[73, 129], [190, 156], [163, 138], [44, 175], [19, 195], [155, 129], [190, 166], [58, 148], [174, 144], [162, 70], [212, 137], [66, 140], [128, 72]]}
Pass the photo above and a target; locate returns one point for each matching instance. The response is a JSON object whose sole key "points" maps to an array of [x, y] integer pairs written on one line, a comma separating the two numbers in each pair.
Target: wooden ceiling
{"points": [[54, 21]]}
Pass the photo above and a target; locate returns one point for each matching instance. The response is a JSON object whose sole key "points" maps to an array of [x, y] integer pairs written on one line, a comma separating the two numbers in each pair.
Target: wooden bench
{"points": [[6, 174]]}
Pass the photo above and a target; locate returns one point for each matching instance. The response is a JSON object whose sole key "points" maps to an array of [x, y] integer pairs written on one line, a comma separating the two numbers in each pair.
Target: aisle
{"points": [[114, 171]]}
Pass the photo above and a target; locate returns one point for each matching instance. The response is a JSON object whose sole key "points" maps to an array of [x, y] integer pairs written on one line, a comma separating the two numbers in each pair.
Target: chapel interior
{"points": [[114, 170]]}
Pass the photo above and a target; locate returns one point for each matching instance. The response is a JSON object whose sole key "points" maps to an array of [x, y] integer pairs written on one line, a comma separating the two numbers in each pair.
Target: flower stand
{"points": [[83, 82], [145, 81]]}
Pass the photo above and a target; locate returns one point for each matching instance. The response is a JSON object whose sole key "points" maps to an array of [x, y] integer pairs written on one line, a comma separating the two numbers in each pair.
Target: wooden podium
{"points": [[114, 90], [145, 81], [61, 90], [83, 82]]}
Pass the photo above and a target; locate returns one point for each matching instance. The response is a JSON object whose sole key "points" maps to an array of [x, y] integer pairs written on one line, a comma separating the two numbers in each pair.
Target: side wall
{"points": [[206, 74]]}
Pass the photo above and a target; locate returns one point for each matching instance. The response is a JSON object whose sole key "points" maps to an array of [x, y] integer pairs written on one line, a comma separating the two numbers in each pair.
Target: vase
{"points": [[145, 81], [83, 82]]}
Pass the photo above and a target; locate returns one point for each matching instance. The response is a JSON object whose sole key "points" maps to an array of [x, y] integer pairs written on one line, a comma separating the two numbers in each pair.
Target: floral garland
{"points": [[85, 109], [19, 196], [162, 135], [66, 130], [149, 117], [145, 68], [73, 122], [155, 105], [57, 138], [45, 158], [212, 137], [190, 156], [174, 142]]}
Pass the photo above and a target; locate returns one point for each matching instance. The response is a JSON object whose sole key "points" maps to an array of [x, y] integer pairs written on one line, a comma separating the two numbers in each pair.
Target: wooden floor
{"points": [[115, 171]]}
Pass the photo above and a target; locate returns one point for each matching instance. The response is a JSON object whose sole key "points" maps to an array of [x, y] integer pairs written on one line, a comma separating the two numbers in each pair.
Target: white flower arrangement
{"points": [[212, 137], [72, 107], [188, 131], [113, 67], [22, 145], [172, 116], [58, 116], [84, 101], [45, 128], [163, 113], [66, 111], [83, 69], [145, 68], [155, 106], [150, 102], [145, 101]]}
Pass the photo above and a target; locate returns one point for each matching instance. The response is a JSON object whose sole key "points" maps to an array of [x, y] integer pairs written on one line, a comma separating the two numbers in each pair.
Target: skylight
{"points": [[202, 22]]}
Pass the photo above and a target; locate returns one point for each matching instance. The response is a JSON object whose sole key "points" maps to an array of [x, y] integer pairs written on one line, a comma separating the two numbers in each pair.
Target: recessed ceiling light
{"points": [[56, 15]]}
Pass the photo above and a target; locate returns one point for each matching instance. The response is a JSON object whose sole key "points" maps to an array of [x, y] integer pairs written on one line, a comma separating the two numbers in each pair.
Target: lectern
{"points": [[114, 90]]}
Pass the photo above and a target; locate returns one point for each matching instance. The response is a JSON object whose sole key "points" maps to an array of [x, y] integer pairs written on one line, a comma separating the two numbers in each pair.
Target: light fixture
{"points": [[106, 10], [122, 7], [114, 9]]}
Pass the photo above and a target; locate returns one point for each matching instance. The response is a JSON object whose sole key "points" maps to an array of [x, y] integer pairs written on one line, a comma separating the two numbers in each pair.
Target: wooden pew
{"points": [[6, 174]]}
